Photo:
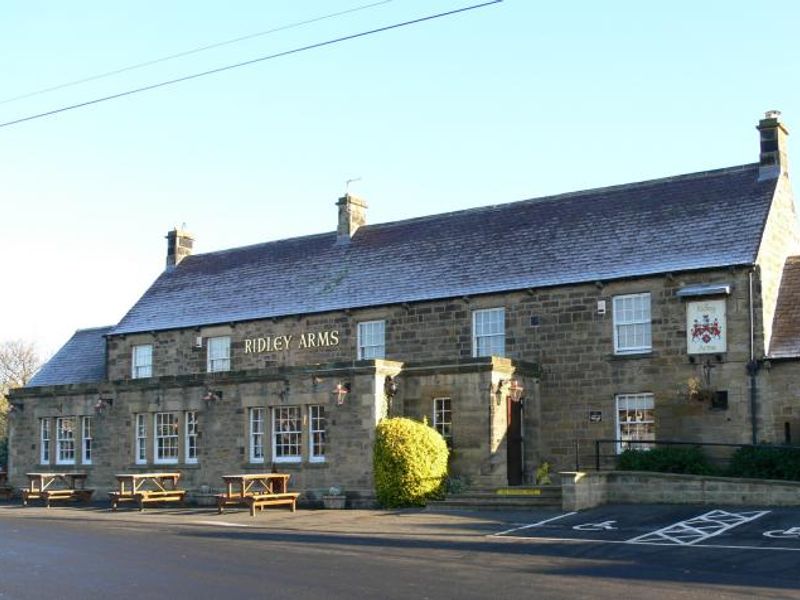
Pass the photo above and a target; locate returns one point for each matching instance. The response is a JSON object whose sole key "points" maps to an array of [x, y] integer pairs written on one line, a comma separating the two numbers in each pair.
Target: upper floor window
{"points": [[219, 354], [371, 340], [65, 441], [632, 324], [142, 361], [316, 420], [489, 332]]}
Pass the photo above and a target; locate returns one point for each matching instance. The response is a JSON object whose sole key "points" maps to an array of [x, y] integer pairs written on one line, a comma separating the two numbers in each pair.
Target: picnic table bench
{"points": [[56, 486], [257, 490], [146, 488]]}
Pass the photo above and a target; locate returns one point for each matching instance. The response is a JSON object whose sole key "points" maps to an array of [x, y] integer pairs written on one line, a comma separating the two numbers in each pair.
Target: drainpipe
{"points": [[752, 365]]}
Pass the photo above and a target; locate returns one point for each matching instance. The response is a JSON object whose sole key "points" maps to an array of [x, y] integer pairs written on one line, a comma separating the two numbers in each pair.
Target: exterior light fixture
{"points": [[340, 391], [515, 390], [511, 387], [390, 387], [212, 396], [102, 404]]}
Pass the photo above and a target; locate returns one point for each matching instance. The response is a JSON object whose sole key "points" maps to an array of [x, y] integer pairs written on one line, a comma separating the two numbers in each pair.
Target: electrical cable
{"points": [[250, 62], [193, 51]]}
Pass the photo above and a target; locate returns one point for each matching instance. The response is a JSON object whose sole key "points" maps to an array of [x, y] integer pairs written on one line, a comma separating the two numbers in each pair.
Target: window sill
{"points": [[633, 355]]}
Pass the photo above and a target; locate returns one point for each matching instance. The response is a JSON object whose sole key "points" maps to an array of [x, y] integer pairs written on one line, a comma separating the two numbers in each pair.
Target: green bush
{"points": [[689, 460], [410, 463], [766, 462]]}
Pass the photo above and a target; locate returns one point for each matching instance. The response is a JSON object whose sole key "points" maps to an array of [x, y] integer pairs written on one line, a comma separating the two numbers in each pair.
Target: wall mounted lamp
{"points": [[284, 393], [390, 387], [511, 387], [102, 404], [211, 396], [340, 391]]}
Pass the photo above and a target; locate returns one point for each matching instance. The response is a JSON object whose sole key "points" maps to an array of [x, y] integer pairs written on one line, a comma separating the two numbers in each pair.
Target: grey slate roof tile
{"points": [[695, 221], [786, 322], [81, 360]]}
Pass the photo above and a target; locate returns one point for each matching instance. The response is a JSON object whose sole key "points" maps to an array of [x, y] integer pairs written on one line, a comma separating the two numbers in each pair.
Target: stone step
{"points": [[516, 498]]}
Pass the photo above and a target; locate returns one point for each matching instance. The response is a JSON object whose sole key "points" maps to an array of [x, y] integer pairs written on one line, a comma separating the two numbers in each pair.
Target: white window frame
{"points": [[440, 411], [171, 438], [140, 432], [86, 440], [485, 318], [257, 433], [190, 438], [371, 340], [65, 441], [317, 433], [44, 442], [142, 361], [218, 354], [630, 317], [283, 437], [635, 407]]}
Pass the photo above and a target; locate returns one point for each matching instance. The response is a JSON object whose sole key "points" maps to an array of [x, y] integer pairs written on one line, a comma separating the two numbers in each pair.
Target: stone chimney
{"points": [[773, 159], [179, 246], [352, 215]]}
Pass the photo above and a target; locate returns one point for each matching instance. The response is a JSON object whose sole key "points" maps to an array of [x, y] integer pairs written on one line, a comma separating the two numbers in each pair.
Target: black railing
{"points": [[607, 452]]}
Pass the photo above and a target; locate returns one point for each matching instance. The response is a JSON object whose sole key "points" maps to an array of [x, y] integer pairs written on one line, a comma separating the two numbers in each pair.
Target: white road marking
{"points": [[791, 533], [603, 526], [628, 542], [698, 529], [569, 514], [220, 523]]}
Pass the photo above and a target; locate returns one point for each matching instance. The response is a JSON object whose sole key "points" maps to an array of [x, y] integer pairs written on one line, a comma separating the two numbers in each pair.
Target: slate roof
{"points": [[786, 323], [81, 360], [697, 221]]}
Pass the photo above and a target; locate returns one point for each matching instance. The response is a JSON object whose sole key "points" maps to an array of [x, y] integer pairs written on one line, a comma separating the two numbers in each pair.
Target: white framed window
{"points": [[371, 340], [165, 438], [632, 324], [86, 440], [219, 354], [65, 441], [190, 443], [316, 428], [489, 332], [142, 361], [287, 434], [256, 435], [635, 421], [443, 418], [140, 451], [44, 441]]}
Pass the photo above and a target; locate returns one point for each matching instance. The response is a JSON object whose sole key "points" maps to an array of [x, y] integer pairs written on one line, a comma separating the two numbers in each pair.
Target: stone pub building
{"points": [[664, 309]]}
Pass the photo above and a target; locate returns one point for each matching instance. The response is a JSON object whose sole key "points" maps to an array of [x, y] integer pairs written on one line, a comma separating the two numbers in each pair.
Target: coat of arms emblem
{"points": [[705, 330]]}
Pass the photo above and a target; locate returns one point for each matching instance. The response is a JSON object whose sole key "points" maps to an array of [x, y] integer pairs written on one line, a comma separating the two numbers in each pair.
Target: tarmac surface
{"points": [[675, 552]]}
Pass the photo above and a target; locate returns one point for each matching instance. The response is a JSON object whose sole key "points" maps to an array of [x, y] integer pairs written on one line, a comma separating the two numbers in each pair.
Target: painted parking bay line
{"points": [[531, 525], [698, 529]]}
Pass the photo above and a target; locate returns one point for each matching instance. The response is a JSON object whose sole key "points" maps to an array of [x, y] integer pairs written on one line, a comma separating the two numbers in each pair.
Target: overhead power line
{"points": [[193, 51], [250, 62]]}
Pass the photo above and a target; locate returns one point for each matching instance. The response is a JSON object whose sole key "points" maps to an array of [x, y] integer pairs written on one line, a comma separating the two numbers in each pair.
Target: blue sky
{"points": [[511, 101]]}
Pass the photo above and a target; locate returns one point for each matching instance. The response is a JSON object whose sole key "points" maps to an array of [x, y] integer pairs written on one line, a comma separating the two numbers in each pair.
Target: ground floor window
{"points": [[635, 421], [166, 438], [286, 434], [141, 440], [191, 437], [65, 441], [256, 435], [316, 423], [86, 440], [443, 418], [44, 441]]}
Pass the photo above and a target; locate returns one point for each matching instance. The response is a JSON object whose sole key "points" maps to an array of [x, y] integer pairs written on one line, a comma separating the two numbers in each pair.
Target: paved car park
{"points": [[757, 529]]}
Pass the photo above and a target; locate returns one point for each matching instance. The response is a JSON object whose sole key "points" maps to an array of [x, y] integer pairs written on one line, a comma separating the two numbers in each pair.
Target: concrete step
{"points": [[511, 498]]}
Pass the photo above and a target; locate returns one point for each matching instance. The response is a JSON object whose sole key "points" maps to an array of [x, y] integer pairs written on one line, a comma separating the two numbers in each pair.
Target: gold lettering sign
{"points": [[281, 343]]}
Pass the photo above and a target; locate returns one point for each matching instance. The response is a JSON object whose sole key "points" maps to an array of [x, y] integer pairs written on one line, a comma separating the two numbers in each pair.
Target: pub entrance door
{"points": [[514, 441]]}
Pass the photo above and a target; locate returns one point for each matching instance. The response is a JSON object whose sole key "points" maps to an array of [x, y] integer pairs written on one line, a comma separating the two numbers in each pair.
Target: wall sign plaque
{"points": [[281, 343], [706, 327]]}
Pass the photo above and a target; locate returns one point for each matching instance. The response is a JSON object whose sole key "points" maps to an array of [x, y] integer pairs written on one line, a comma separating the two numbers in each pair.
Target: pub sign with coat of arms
{"points": [[706, 327]]}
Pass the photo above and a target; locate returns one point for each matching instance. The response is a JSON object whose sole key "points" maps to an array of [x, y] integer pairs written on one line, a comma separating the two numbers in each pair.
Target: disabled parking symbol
{"points": [[791, 533], [602, 526]]}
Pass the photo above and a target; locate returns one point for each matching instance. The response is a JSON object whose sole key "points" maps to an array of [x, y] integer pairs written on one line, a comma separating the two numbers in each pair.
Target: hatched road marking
{"points": [[698, 529]]}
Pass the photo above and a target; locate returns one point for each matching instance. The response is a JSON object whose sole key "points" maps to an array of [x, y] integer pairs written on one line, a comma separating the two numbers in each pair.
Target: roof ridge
{"points": [[85, 329]]}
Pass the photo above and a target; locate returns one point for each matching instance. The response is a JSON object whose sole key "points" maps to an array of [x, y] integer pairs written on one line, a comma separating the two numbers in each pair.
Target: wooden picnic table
{"points": [[68, 485], [257, 490], [144, 488]]}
